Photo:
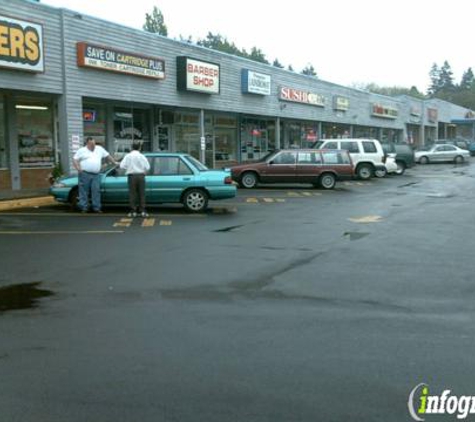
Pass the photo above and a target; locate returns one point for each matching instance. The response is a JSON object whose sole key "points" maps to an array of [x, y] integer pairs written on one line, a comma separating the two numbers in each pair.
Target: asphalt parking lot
{"points": [[284, 303]]}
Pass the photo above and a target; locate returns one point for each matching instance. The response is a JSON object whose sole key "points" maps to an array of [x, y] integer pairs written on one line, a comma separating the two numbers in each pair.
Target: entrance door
{"points": [[163, 135]]}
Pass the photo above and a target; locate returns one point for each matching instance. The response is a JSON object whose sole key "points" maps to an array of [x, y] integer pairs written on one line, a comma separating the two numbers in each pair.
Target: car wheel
{"points": [[327, 181], [195, 200], [401, 168], [73, 198], [380, 172], [364, 171], [249, 180], [424, 160], [458, 159]]}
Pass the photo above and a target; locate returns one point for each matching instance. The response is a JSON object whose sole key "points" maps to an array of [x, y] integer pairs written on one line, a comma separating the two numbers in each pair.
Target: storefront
{"points": [[124, 86]]}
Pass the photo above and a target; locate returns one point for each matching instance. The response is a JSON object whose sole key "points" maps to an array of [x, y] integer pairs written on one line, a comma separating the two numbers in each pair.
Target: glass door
{"points": [[131, 125]]}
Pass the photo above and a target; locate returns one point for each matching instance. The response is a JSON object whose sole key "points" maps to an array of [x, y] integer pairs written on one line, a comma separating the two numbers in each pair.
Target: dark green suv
{"points": [[404, 155]]}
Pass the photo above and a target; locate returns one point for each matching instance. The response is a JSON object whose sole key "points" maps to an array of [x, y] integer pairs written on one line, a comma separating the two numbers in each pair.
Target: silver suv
{"points": [[367, 154]]}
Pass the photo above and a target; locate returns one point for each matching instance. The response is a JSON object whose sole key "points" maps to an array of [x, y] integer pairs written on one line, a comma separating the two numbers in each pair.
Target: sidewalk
{"points": [[25, 198]]}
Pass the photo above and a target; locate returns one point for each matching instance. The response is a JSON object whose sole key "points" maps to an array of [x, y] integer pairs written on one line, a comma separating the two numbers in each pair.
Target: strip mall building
{"points": [[65, 76]]}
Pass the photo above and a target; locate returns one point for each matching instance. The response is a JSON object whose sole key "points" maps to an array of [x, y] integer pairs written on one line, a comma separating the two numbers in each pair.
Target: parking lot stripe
{"points": [[148, 222], [268, 200], [252, 200], [124, 222], [165, 222]]}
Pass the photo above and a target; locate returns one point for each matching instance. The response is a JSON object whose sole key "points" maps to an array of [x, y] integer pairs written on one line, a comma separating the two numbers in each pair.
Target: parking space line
{"points": [[165, 222], [252, 200], [124, 222], [148, 222]]}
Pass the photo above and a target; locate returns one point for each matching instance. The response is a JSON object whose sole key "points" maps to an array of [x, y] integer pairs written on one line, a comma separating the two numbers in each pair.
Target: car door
{"points": [[282, 168], [114, 187], [169, 177], [309, 166], [439, 154], [353, 147]]}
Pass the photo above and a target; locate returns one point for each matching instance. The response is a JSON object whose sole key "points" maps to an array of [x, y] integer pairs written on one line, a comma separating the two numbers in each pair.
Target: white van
{"points": [[367, 154]]}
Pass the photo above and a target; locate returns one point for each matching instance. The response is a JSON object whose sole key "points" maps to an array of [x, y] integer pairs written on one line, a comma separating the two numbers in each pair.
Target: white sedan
{"points": [[441, 153]]}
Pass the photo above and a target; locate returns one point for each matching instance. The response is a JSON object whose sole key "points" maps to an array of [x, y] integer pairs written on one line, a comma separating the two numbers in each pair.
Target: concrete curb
{"points": [[26, 203]]}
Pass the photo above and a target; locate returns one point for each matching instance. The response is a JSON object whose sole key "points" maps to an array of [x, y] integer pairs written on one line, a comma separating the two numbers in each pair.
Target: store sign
{"points": [[341, 103], [21, 45], [432, 115], [300, 96], [104, 58], [255, 83], [415, 114], [89, 116], [386, 112], [197, 76]]}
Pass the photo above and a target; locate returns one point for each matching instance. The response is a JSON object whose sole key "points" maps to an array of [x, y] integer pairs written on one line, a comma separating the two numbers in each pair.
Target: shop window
{"points": [[35, 135], [257, 138], [94, 121], [3, 142], [131, 126]]}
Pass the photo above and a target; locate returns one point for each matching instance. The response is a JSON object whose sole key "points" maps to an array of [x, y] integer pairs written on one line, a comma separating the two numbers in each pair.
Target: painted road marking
{"points": [[367, 219], [165, 222], [148, 222], [268, 200], [252, 200], [124, 222]]}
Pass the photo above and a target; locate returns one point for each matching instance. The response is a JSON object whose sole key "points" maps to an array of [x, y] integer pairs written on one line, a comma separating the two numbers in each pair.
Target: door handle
{"points": [[187, 178]]}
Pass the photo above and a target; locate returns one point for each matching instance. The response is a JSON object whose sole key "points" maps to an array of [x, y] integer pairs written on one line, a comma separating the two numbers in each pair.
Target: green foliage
{"points": [[276, 63], [309, 71], [391, 91], [155, 22]]}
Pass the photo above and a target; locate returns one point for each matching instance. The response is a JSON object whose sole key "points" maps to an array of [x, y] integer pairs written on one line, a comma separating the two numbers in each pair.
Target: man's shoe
{"points": [[144, 214], [132, 214]]}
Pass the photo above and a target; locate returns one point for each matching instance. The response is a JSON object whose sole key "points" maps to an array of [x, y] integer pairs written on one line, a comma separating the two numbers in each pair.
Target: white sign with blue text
{"points": [[255, 83]]}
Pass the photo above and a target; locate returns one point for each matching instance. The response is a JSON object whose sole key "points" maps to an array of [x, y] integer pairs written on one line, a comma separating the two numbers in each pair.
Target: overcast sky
{"points": [[347, 41]]}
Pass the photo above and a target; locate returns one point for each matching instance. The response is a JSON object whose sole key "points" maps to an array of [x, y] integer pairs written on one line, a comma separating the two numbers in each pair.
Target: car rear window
{"points": [[335, 157], [350, 146], [369, 147], [309, 158]]}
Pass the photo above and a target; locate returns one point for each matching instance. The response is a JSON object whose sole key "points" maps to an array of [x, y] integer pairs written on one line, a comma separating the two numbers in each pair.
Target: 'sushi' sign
{"points": [[105, 58]]}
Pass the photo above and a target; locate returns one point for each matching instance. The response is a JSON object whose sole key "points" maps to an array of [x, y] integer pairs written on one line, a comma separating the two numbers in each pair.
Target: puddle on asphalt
{"points": [[21, 296], [355, 235]]}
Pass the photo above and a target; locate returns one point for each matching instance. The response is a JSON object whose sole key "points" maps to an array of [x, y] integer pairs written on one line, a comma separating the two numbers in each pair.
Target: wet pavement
{"points": [[326, 306]]}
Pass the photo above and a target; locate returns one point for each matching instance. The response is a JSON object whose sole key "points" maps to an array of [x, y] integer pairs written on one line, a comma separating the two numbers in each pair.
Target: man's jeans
{"points": [[89, 182]]}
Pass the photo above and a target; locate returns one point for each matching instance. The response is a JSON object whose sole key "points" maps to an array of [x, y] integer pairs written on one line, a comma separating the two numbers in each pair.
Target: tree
{"points": [[290, 68], [446, 78], [155, 22], [309, 71], [434, 75], [257, 55], [276, 63], [467, 82]]}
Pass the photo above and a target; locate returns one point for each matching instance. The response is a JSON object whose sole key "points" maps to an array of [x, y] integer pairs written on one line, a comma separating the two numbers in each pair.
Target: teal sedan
{"points": [[173, 178]]}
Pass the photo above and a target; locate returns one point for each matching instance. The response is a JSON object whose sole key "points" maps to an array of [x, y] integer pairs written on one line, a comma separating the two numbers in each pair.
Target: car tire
{"points": [[459, 159], [401, 168], [364, 171], [327, 181], [424, 160], [249, 180], [73, 198], [380, 172], [195, 200]]}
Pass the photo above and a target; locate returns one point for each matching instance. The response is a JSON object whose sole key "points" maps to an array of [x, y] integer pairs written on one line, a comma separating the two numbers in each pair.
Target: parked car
{"points": [[390, 166], [441, 153], [458, 142], [318, 167], [367, 154], [173, 178], [471, 148], [404, 155]]}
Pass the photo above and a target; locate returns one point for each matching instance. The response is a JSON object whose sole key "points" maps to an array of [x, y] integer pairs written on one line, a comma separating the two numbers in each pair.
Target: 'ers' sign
{"points": [[198, 76], [21, 45]]}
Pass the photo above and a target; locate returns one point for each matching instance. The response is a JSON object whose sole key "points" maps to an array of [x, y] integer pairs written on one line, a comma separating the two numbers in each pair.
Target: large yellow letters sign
{"points": [[21, 45]]}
